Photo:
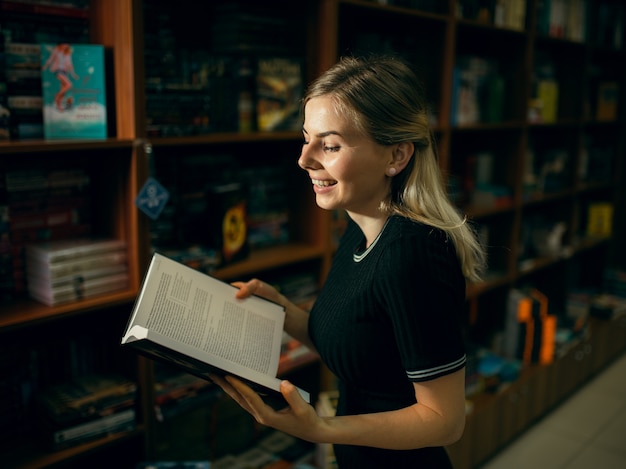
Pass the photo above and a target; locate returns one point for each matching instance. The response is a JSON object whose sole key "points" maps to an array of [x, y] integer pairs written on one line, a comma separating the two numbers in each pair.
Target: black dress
{"points": [[385, 318]]}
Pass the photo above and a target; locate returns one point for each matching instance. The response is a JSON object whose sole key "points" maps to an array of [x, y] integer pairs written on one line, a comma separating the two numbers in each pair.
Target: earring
{"points": [[392, 171]]}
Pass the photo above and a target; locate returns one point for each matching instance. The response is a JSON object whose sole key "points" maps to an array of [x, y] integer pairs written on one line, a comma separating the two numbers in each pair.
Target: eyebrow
{"points": [[323, 134]]}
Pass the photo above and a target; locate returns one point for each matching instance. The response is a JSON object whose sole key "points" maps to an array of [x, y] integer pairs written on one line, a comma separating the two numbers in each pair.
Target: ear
{"points": [[401, 155]]}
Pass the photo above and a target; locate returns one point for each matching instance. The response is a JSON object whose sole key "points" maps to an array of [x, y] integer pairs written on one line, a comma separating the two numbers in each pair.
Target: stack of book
{"points": [[64, 271], [86, 408], [43, 205]]}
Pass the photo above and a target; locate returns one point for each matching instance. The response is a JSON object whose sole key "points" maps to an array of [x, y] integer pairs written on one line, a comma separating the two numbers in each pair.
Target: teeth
{"points": [[321, 183]]}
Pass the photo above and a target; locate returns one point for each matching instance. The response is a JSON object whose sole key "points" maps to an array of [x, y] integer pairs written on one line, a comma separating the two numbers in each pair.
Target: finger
{"points": [[246, 288], [253, 402], [292, 395], [230, 391], [221, 382], [243, 389]]}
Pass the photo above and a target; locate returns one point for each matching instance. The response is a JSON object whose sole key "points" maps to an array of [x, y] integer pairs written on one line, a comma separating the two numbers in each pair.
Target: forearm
{"points": [[296, 322], [437, 419], [416, 426]]}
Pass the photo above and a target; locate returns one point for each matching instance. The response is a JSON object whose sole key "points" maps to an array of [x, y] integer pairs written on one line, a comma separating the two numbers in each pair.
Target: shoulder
{"points": [[417, 247], [404, 229]]}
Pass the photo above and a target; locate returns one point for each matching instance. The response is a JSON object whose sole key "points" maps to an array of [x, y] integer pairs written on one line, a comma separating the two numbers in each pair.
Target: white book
{"points": [[63, 250], [38, 281], [79, 290], [192, 320], [72, 267]]}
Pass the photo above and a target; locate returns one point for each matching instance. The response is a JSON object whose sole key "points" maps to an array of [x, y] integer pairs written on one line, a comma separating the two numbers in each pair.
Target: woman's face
{"points": [[347, 169]]}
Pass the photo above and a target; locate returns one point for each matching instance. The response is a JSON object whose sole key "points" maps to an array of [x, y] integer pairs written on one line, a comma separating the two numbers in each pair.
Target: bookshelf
{"points": [[517, 169]]}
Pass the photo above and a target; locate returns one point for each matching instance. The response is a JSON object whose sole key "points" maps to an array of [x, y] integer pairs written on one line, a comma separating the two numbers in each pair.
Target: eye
{"points": [[331, 149]]}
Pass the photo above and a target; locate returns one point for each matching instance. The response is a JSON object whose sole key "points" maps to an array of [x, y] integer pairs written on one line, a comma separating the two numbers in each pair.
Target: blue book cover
{"points": [[73, 90]]}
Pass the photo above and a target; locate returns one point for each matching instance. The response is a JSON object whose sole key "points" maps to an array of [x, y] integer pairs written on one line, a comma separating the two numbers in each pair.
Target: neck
{"points": [[370, 226]]}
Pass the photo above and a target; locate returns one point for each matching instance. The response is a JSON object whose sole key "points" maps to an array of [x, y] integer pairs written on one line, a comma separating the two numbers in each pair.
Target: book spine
{"points": [[120, 421], [72, 249]]}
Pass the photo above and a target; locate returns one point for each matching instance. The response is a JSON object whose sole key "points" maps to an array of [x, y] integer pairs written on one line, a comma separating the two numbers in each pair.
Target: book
{"points": [[607, 101], [85, 398], [63, 269], [228, 221], [599, 219], [192, 320], [530, 331], [68, 270], [63, 250], [84, 408], [79, 289], [280, 86], [73, 90], [123, 421]]}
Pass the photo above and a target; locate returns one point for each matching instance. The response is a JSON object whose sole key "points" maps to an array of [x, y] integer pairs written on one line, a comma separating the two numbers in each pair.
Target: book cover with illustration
{"points": [[73, 89], [280, 86]]}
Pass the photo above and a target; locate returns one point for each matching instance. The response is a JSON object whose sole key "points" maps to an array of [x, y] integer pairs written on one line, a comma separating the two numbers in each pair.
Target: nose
{"points": [[306, 159]]}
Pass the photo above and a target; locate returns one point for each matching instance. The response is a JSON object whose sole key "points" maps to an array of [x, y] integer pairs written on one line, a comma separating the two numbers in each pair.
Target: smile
{"points": [[321, 183]]}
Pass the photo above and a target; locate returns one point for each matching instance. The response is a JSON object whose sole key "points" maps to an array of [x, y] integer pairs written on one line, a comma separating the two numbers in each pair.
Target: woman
{"points": [[385, 321]]}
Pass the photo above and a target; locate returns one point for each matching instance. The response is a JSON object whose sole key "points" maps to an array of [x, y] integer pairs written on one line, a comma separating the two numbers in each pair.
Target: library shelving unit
{"points": [[524, 167], [521, 170], [43, 344]]}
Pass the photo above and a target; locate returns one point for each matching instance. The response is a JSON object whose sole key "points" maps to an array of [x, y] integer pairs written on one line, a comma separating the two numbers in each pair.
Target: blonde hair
{"points": [[385, 100]]}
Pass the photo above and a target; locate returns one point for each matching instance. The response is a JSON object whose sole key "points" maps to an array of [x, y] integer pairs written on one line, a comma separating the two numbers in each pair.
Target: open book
{"points": [[192, 320]]}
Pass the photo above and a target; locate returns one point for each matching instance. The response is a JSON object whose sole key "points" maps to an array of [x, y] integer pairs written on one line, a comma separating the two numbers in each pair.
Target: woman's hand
{"points": [[258, 288], [298, 419]]}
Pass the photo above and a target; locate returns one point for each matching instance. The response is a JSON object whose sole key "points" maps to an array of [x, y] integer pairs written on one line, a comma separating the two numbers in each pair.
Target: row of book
{"points": [[241, 75], [31, 55], [548, 167], [509, 14], [218, 212], [532, 334], [55, 90], [227, 94], [480, 186], [600, 23], [542, 235], [28, 370], [563, 19], [85, 408], [478, 91], [537, 332]]}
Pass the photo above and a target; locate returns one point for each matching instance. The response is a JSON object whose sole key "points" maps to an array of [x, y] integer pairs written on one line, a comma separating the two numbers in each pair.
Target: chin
{"points": [[325, 205]]}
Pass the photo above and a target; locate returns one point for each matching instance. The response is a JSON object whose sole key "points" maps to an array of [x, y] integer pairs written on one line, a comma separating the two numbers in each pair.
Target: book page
{"points": [[191, 308]]}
